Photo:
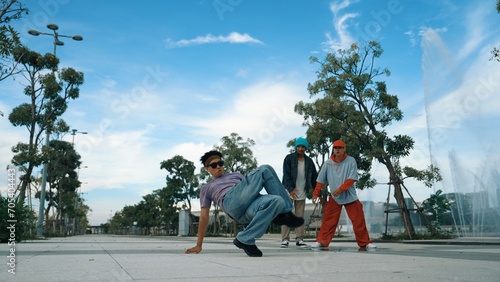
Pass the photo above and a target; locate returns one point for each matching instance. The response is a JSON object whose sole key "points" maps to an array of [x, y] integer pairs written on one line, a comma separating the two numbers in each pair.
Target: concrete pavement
{"points": [[142, 258]]}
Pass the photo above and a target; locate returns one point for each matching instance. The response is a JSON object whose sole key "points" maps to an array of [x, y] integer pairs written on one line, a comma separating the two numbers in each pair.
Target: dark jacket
{"points": [[290, 165]]}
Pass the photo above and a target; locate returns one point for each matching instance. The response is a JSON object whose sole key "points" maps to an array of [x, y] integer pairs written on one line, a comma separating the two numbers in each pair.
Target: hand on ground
{"points": [[195, 249]]}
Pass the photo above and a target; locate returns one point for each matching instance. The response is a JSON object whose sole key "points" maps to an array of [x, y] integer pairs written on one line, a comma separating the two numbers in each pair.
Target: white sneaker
{"points": [[301, 244], [371, 246], [317, 245], [284, 244]]}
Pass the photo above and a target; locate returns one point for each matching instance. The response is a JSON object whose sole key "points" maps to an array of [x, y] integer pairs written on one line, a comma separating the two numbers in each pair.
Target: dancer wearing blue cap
{"points": [[299, 175]]}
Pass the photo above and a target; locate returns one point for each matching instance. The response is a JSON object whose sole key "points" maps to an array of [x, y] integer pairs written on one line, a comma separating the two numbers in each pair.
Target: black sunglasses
{"points": [[214, 165]]}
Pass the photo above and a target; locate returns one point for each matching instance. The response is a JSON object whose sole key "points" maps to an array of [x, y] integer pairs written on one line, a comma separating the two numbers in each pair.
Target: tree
{"points": [[496, 51], [63, 162], [156, 209], [9, 38], [48, 100], [356, 108], [181, 182], [435, 207], [123, 219], [129, 213], [180, 179], [168, 208], [237, 154], [79, 214], [148, 213]]}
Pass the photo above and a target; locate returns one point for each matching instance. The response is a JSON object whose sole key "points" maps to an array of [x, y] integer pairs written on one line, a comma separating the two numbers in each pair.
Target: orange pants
{"points": [[331, 216]]}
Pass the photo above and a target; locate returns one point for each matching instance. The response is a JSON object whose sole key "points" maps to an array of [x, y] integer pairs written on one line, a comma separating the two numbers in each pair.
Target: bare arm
{"points": [[202, 229]]}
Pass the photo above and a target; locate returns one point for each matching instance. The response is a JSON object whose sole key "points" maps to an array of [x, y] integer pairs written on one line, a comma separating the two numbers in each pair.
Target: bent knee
{"points": [[278, 201], [265, 167]]}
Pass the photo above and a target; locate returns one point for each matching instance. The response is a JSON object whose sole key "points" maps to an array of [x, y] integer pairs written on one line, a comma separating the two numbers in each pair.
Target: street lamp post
{"points": [[57, 42], [74, 132]]}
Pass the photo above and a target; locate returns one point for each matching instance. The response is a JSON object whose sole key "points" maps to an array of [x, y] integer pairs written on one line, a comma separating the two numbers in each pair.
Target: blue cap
{"points": [[301, 142]]}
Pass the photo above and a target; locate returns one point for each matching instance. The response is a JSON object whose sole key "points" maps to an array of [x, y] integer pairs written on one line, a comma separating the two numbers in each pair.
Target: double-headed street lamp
{"points": [[57, 42], [56, 35]]}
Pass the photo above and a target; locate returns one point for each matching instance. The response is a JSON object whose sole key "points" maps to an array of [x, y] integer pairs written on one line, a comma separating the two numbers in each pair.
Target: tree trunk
{"points": [[24, 184], [216, 220], [400, 199], [59, 216], [405, 214], [191, 223], [46, 227]]}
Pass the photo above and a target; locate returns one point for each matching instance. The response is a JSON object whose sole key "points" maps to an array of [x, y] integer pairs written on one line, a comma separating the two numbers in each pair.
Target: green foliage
{"points": [[155, 209], [428, 176], [496, 51], [62, 177], [148, 211], [435, 207], [22, 214], [181, 180], [237, 154], [496, 54], [355, 107], [418, 236], [9, 37], [34, 62], [12, 10], [49, 93]]}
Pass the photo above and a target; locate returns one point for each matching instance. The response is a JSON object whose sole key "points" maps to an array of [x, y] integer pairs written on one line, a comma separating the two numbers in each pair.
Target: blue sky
{"points": [[166, 78]]}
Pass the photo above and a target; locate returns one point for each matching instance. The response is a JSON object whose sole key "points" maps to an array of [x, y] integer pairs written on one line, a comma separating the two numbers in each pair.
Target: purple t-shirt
{"points": [[216, 189]]}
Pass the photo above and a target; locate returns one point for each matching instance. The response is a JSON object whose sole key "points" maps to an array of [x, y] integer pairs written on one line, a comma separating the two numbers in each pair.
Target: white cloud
{"points": [[475, 31], [118, 159], [412, 37], [233, 38], [242, 73], [340, 24], [335, 7], [260, 112]]}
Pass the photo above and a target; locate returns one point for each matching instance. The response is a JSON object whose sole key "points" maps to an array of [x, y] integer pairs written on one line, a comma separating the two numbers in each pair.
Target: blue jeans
{"points": [[246, 205]]}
